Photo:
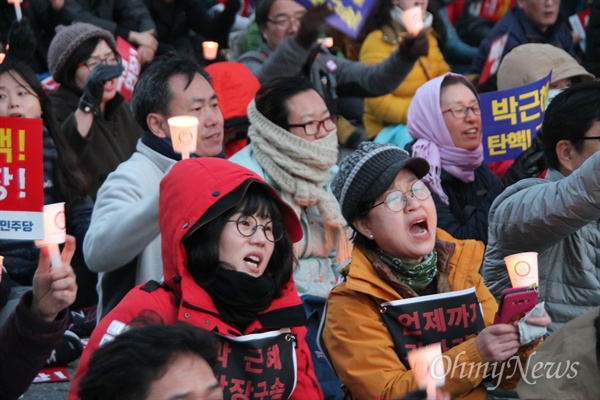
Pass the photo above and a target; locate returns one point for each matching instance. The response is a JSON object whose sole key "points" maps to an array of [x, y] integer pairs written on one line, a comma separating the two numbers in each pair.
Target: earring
{"points": [[371, 237]]}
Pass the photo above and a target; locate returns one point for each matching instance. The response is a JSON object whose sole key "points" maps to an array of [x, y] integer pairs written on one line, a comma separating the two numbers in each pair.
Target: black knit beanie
{"points": [[368, 172]]}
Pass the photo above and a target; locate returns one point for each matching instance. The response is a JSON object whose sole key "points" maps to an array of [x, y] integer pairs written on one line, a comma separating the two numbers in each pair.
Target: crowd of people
{"points": [[331, 197]]}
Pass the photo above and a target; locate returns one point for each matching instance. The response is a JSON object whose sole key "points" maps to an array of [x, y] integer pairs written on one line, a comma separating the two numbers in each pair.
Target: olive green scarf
{"points": [[416, 276]]}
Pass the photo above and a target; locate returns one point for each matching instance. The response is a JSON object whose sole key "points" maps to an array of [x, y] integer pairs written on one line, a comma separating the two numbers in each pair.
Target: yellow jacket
{"points": [[360, 346], [392, 109]]}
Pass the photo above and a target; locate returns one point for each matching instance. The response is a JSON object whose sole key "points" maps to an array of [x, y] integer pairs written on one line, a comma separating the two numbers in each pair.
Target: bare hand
{"points": [[543, 321], [57, 5], [145, 54], [498, 342], [54, 289], [146, 38]]}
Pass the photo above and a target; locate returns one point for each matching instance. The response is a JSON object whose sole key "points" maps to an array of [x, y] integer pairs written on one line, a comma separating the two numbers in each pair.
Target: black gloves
{"points": [[310, 24], [94, 87], [529, 164], [21, 41], [413, 47]]}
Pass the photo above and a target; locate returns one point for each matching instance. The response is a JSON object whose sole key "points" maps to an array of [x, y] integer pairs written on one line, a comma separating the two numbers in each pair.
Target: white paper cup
{"points": [[55, 231], [427, 366], [54, 225], [210, 49], [412, 19], [184, 134], [522, 269]]}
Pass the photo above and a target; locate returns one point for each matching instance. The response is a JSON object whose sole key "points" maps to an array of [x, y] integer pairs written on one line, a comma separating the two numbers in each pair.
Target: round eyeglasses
{"points": [[312, 127], [247, 225], [396, 200]]}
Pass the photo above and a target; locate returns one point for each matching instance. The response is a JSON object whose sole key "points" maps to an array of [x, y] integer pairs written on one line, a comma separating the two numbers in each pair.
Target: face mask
{"points": [[552, 94], [396, 14]]}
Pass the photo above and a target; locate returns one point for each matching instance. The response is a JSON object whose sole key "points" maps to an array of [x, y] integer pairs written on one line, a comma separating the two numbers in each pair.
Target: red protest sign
{"points": [[493, 59], [55, 374], [494, 10], [21, 178], [132, 68]]}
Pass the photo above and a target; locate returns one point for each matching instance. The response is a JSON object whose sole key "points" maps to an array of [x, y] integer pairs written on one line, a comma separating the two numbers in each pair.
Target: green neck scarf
{"points": [[416, 276]]}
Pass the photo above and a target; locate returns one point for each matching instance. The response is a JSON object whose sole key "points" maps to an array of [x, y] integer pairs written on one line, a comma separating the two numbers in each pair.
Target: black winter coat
{"points": [[466, 215]]}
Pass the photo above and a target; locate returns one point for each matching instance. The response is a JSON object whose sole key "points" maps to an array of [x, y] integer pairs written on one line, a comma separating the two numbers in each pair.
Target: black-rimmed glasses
{"points": [[312, 127], [247, 225], [396, 200]]}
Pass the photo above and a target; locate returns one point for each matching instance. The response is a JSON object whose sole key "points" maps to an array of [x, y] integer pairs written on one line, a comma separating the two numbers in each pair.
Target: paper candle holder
{"points": [[184, 134]]}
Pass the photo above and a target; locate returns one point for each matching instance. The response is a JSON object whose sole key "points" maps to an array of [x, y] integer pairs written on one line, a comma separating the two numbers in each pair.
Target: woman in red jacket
{"points": [[228, 259]]}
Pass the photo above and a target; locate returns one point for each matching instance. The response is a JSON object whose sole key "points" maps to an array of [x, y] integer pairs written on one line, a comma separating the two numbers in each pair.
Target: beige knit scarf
{"points": [[300, 167]]}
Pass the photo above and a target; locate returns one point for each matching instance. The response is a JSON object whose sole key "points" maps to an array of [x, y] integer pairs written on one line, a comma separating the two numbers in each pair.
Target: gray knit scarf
{"points": [[300, 168]]}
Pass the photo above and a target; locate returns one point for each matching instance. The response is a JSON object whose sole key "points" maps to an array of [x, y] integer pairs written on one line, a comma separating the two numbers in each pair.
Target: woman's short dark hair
{"points": [[69, 180], [81, 54], [202, 247], [271, 99]]}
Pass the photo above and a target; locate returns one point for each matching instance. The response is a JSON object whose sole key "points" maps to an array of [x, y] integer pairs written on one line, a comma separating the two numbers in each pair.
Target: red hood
{"points": [[235, 87], [187, 192]]}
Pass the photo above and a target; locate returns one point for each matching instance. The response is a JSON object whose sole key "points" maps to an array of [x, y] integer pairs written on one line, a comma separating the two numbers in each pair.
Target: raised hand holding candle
{"points": [[413, 20], [17, 4], [54, 231], [209, 50], [522, 269], [184, 134]]}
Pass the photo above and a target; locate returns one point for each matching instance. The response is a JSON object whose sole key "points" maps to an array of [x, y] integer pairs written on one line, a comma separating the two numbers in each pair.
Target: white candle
{"points": [[54, 231], [17, 4], [413, 20], [427, 367], [210, 49], [522, 269], [55, 260], [184, 134]]}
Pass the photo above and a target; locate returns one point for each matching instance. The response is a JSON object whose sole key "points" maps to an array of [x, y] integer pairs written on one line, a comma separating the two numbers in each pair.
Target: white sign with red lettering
{"points": [[132, 67]]}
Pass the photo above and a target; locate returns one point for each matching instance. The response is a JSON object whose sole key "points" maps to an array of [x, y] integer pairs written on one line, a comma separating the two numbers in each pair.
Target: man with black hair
{"points": [[123, 241], [154, 362], [558, 216]]}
